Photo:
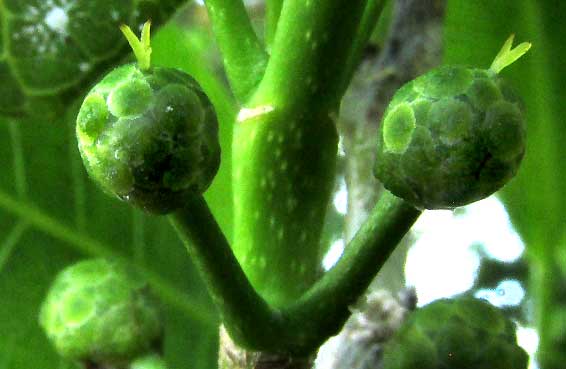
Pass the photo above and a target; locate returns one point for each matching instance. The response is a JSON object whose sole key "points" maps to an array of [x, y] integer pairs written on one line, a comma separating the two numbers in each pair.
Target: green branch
{"points": [[245, 314], [373, 11], [302, 327], [322, 311], [244, 56], [272, 13], [311, 46]]}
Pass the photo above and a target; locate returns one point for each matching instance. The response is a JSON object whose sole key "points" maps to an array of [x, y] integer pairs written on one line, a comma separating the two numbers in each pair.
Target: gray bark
{"points": [[231, 356]]}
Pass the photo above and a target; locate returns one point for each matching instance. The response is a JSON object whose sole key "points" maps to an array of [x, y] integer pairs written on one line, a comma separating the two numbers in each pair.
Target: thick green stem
{"points": [[284, 170], [324, 308], [246, 315], [273, 10], [280, 195], [311, 46], [244, 57], [302, 327]]}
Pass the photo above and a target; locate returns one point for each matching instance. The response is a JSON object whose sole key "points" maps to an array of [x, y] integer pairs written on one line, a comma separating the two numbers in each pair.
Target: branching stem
{"points": [[302, 327]]}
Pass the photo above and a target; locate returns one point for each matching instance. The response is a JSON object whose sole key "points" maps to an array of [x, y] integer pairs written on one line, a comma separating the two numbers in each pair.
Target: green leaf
{"points": [[51, 215], [54, 49], [474, 32], [535, 198]]}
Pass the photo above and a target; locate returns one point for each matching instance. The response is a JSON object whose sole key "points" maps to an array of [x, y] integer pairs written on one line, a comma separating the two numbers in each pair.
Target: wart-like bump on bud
{"points": [[398, 128]]}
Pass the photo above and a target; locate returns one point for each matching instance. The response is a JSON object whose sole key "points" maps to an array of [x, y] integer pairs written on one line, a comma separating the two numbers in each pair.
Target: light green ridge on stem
{"points": [[272, 12], [311, 46], [302, 327], [244, 56]]}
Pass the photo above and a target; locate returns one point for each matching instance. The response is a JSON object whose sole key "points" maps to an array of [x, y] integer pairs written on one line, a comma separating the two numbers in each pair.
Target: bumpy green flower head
{"points": [[452, 136], [149, 135], [463, 333], [101, 311]]}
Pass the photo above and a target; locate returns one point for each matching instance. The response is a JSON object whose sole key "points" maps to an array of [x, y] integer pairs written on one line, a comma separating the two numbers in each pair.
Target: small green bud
{"points": [[455, 334], [149, 135], [101, 311], [452, 136]]}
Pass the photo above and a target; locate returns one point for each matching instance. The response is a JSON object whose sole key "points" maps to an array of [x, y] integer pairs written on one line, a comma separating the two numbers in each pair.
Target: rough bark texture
{"points": [[233, 357], [358, 346]]}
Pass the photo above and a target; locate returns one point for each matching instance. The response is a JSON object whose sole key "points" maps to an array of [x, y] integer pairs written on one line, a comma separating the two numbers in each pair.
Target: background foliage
{"points": [[52, 215]]}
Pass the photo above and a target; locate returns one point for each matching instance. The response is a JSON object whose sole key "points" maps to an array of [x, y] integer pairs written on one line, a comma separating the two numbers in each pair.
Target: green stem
{"points": [[373, 11], [302, 327], [244, 56], [322, 311], [246, 315], [273, 11], [311, 46]]}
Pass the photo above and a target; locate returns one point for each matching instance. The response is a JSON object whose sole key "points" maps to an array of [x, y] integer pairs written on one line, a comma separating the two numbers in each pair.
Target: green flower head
{"points": [[455, 334], [101, 311], [452, 136], [149, 135]]}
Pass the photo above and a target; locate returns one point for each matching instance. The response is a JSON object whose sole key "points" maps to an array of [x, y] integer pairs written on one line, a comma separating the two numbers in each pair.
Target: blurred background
{"points": [[509, 249]]}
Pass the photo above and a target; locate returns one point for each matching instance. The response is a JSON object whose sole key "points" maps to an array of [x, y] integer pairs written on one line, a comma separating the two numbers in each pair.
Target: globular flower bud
{"points": [[149, 135], [452, 136], [455, 334], [101, 311]]}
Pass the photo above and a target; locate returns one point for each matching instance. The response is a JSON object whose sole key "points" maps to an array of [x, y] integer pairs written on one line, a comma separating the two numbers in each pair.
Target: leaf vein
{"points": [[86, 245], [20, 181], [10, 242]]}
